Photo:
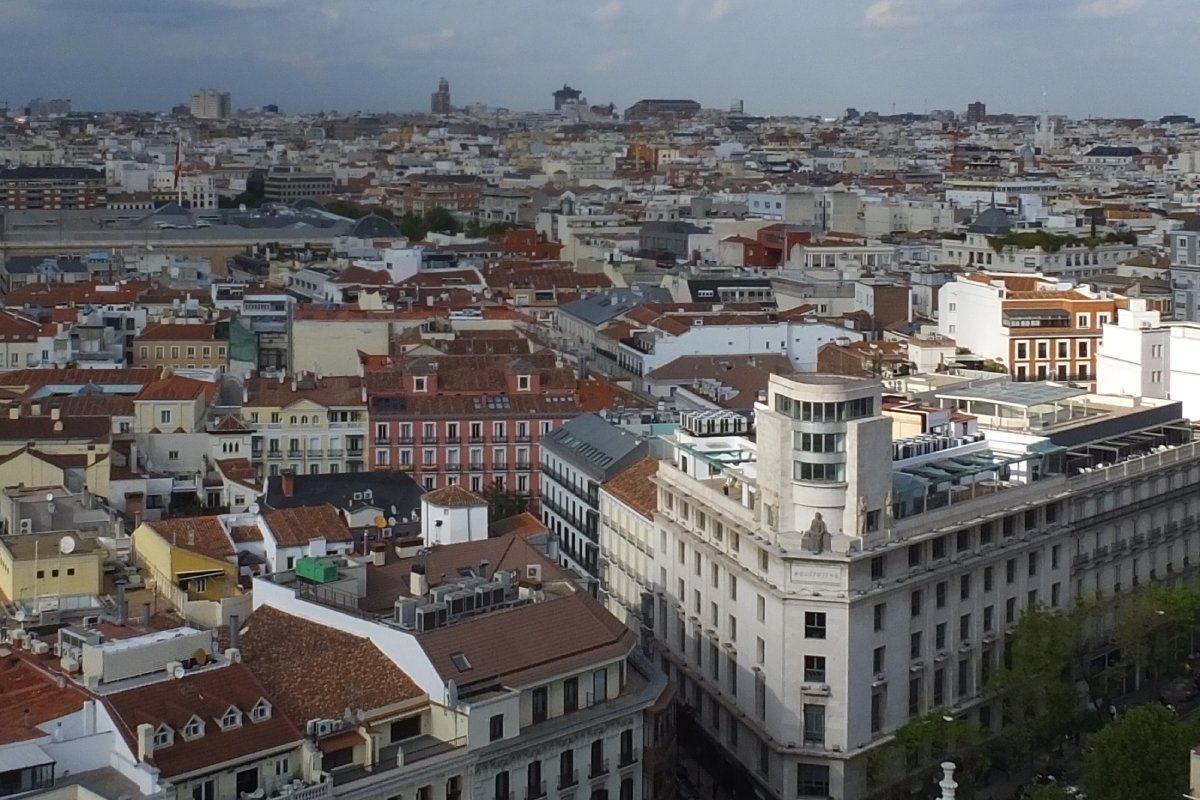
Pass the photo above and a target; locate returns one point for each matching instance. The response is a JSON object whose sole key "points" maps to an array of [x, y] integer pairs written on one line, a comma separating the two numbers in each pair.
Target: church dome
{"points": [[992, 222], [374, 226]]}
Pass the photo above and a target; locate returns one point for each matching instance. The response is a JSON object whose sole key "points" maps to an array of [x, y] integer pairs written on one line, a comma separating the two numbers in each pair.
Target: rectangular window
{"points": [[541, 704], [880, 613], [964, 628], [814, 669], [914, 645], [914, 600], [877, 659], [571, 695], [964, 587], [987, 579], [814, 624], [496, 727], [940, 594], [814, 724], [939, 636]]}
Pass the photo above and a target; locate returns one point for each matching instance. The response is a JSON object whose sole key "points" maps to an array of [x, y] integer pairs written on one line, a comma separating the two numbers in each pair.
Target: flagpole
{"points": [[178, 166]]}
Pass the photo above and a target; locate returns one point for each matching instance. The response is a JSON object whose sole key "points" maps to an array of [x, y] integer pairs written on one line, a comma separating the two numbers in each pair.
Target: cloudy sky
{"points": [[1098, 57]]}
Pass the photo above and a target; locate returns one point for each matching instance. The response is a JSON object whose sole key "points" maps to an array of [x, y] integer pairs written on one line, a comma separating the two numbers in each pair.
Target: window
{"points": [[1010, 570], [877, 709], [987, 618], [419, 383], [1010, 611], [523, 383], [939, 687], [814, 724], [760, 652], [987, 579], [814, 624], [599, 685], [812, 780], [964, 587], [732, 628], [162, 737], [914, 555], [760, 695], [194, 729], [880, 613], [533, 779], [939, 548], [502, 785], [496, 727], [172, 455], [877, 568], [962, 540], [877, 659], [164, 416], [940, 594], [914, 696], [232, 719], [762, 610], [570, 695], [814, 669], [566, 769], [764, 560], [914, 645], [914, 601], [939, 636], [541, 703], [964, 628], [1033, 564]]}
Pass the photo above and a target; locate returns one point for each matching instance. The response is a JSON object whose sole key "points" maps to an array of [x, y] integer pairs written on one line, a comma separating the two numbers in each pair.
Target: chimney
{"points": [[287, 482], [122, 605], [245, 395], [235, 631], [379, 555], [146, 615], [133, 456], [27, 718], [14, 410], [418, 583], [483, 566], [145, 742], [89, 717]]}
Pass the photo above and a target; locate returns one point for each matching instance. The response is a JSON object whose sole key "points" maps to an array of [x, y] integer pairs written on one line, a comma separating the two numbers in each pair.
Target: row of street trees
{"points": [[1060, 674]]}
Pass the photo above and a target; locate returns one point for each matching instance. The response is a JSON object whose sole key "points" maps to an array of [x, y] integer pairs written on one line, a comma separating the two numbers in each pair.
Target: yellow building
{"points": [[188, 559], [183, 344], [309, 424], [41, 568], [32, 467]]}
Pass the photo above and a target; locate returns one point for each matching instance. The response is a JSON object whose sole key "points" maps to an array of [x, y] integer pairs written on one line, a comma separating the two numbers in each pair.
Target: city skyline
{"points": [[310, 55]]}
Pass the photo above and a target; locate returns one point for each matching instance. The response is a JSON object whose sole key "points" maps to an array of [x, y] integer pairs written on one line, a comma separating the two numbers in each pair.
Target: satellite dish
{"points": [[20, 615], [253, 509], [391, 521], [66, 545], [381, 521], [178, 672], [392, 509], [200, 657]]}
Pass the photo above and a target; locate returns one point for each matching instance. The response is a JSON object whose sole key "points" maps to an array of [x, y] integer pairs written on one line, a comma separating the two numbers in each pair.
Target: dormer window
{"points": [[524, 382], [261, 711], [419, 383], [163, 737], [232, 719], [194, 729]]}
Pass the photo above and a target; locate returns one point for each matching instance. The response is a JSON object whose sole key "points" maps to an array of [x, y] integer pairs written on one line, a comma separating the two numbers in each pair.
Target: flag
{"points": [[178, 163]]}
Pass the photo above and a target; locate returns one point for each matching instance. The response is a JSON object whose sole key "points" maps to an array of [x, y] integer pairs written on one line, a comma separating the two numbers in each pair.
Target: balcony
{"points": [[405, 440], [598, 769], [453, 440], [475, 439], [295, 454], [627, 759], [522, 438], [524, 466], [336, 452], [297, 791], [499, 466], [274, 455], [476, 466], [569, 779], [535, 791]]}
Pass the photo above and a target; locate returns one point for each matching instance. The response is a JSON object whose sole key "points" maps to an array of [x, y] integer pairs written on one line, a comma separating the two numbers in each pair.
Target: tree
{"points": [[1035, 685], [412, 227], [1149, 625], [1142, 754], [439, 220], [503, 504]]}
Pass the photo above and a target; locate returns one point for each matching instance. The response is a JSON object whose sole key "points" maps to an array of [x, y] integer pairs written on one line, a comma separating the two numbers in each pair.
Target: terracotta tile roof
{"points": [[317, 672], [94, 405], [528, 643], [203, 535], [26, 690], [16, 327], [328, 391], [295, 527], [240, 471], [634, 486], [25, 381], [33, 429], [475, 405], [453, 496], [355, 275], [523, 525], [597, 394], [45, 295], [229, 423], [178, 332], [240, 534], [207, 694], [177, 387]]}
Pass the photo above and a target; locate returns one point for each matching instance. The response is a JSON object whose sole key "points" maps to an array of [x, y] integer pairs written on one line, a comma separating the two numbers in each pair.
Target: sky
{"points": [[1134, 58]]}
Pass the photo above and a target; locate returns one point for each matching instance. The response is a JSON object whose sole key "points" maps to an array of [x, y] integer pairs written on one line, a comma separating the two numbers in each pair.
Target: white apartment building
{"points": [[1140, 357], [821, 585], [211, 104], [308, 423], [1184, 250], [627, 504]]}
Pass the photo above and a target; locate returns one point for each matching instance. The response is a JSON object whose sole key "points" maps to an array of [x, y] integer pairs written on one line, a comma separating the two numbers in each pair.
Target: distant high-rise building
{"points": [[211, 104], [40, 108], [976, 112], [439, 101], [565, 95]]}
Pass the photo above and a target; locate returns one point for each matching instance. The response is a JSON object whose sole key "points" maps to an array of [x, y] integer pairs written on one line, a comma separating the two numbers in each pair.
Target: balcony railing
{"points": [[274, 455], [627, 759], [405, 440], [568, 779], [295, 453], [453, 440], [535, 791], [598, 768], [476, 466]]}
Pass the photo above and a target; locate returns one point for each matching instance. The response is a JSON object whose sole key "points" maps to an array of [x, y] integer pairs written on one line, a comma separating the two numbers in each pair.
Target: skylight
{"points": [[460, 661]]}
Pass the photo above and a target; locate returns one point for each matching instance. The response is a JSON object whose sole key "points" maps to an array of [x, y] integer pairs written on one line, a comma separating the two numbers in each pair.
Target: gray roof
{"points": [[594, 446], [606, 306], [374, 226], [28, 265], [1020, 395], [992, 221]]}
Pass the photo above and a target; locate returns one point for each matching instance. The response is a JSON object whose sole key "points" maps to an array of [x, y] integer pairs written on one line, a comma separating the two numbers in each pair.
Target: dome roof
{"points": [[306, 203], [374, 226], [991, 222]]}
